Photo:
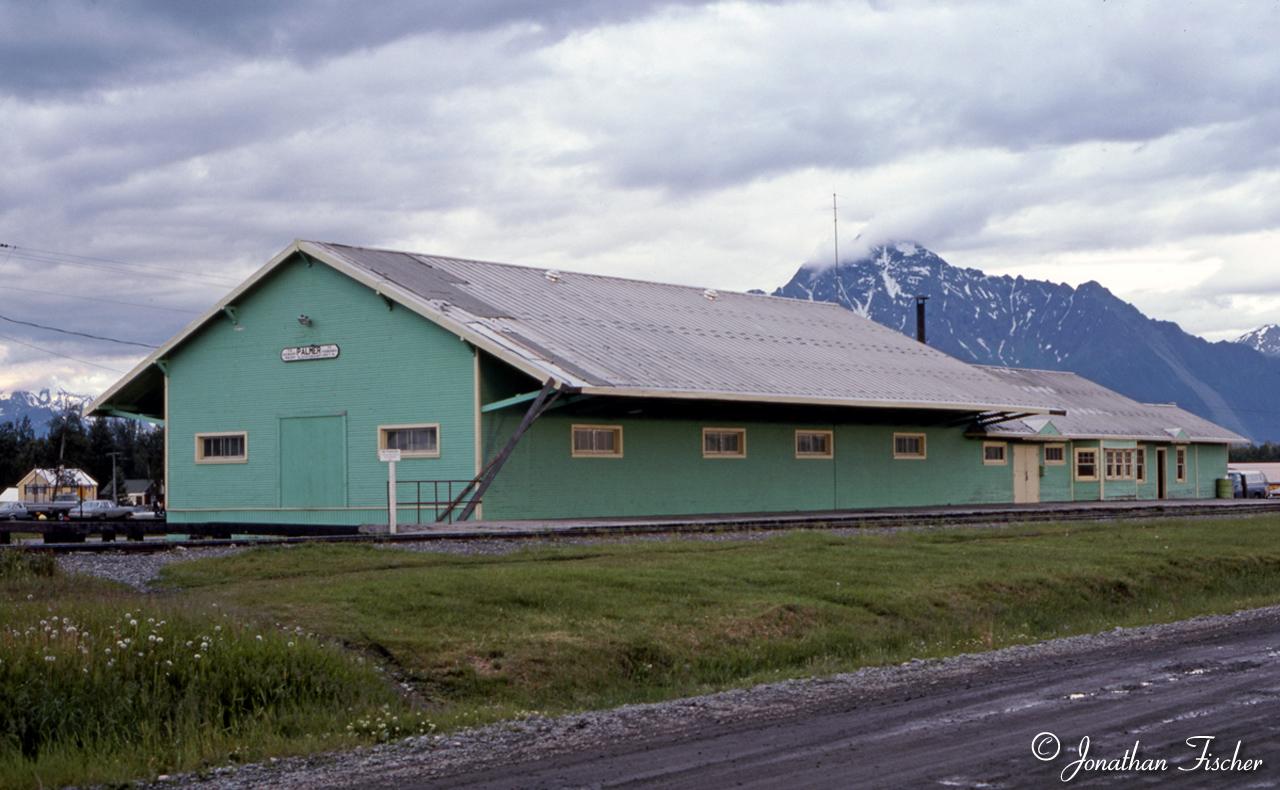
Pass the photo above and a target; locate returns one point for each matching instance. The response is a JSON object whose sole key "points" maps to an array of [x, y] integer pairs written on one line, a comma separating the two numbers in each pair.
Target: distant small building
{"points": [[42, 485], [9, 495], [141, 492]]}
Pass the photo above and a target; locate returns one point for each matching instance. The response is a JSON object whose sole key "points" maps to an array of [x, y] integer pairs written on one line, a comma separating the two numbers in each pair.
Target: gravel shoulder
{"points": [[631, 728], [139, 571]]}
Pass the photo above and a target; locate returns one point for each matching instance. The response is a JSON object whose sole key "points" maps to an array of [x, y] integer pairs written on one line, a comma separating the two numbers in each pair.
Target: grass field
{"points": [[556, 629]]}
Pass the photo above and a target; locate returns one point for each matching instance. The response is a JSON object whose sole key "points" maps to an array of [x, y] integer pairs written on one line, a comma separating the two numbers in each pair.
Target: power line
{"points": [[65, 259], [77, 334], [58, 354], [198, 279], [104, 301], [113, 261]]}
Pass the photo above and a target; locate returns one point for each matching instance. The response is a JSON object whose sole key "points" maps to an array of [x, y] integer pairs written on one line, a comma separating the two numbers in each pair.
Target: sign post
{"points": [[389, 457]]}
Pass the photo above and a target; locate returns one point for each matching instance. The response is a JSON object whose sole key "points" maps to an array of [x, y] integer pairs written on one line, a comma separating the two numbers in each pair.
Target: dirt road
{"points": [[976, 729], [966, 721]]}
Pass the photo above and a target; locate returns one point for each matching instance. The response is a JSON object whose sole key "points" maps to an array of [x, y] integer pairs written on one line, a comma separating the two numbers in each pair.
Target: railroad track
{"points": [[246, 534]]}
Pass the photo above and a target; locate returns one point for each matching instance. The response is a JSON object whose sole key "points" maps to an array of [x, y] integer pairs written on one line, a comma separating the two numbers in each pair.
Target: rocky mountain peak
{"points": [[1265, 339]]}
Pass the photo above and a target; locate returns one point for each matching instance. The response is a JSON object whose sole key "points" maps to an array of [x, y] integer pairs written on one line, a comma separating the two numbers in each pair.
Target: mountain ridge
{"points": [[40, 406], [1018, 322]]}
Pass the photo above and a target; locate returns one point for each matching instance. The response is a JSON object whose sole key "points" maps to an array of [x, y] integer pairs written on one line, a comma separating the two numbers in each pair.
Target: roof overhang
{"points": [[1069, 437], [126, 395], [750, 397], [140, 392]]}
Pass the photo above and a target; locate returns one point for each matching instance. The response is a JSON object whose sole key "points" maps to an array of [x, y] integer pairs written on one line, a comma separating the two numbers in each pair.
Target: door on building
{"points": [[1026, 473], [313, 461], [1161, 466]]}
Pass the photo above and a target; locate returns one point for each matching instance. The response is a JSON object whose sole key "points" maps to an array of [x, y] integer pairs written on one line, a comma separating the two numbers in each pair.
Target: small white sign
{"points": [[307, 353], [387, 456]]}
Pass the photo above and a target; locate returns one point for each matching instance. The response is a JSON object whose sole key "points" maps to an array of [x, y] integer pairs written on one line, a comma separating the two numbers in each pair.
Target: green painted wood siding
{"points": [[394, 368], [662, 471]]}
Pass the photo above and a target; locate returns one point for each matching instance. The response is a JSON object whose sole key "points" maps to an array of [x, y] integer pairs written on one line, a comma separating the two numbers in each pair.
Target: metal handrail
{"points": [[435, 503]]}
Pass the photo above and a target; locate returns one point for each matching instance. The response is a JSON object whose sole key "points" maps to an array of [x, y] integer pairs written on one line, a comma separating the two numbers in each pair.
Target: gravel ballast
{"points": [[139, 571]]}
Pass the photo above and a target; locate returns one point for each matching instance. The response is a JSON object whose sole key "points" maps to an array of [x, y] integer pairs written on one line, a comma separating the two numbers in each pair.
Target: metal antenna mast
{"points": [[835, 230], [835, 235]]}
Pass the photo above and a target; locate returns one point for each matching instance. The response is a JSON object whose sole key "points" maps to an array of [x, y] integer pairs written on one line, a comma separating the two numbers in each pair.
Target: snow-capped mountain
{"points": [[1265, 339], [40, 407], [1037, 324]]}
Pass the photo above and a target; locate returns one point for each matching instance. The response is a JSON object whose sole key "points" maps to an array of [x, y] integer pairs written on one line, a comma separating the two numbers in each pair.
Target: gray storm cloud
{"points": [[687, 142]]}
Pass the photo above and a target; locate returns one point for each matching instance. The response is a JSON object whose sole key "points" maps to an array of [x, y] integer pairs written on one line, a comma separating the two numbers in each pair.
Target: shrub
{"points": [[177, 686], [19, 566]]}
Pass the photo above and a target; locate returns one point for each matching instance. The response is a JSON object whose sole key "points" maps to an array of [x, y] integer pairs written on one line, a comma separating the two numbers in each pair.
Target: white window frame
{"points": [[742, 443], [831, 444], [574, 452], [1061, 461], [1180, 464], [382, 438], [1003, 460], [1118, 463], [201, 458], [1140, 464], [1097, 463], [920, 456]]}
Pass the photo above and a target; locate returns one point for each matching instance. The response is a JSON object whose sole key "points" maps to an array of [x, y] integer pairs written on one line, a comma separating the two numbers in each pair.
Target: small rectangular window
{"points": [[813, 444], [993, 453], [724, 443], [1182, 464], [1086, 464], [597, 441], [413, 441], [1055, 454], [909, 446], [222, 448], [1140, 460]]}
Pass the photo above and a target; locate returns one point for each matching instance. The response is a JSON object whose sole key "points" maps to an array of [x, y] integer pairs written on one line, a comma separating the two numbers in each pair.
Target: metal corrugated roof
{"points": [[1095, 412], [609, 335]]}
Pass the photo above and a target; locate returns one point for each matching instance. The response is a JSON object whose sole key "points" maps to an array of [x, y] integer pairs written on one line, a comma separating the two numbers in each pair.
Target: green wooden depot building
{"points": [[560, 395]]}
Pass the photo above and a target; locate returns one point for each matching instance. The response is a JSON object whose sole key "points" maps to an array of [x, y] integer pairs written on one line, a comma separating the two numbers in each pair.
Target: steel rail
{"points": [[691, 525]]}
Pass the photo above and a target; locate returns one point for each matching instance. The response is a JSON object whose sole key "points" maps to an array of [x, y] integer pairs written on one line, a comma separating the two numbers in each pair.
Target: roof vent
{"points": [[711, 294], [552, 276]]}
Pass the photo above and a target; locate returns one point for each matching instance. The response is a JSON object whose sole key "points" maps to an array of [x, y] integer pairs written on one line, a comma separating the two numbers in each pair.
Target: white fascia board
{"points": [[1070, 437], [190, 328], [639, 392], [378, 284], [467, 330]]}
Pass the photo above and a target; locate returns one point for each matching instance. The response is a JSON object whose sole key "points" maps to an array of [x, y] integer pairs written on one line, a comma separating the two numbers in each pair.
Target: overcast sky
{"points": [[173, 147]]}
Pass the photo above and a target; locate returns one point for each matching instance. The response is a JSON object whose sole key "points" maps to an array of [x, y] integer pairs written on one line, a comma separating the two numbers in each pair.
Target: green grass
{"points": [[559, 629], [98, 684], [546, 629]]}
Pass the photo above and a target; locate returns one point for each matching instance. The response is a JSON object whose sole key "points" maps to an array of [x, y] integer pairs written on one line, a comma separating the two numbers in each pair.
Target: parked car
{"points": [[100, 510], [1249, 484], [13, 511], [57, 508], [144, 513]]}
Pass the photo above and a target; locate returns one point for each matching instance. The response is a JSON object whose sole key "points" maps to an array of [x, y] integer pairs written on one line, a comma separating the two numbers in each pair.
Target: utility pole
{"points": [[115, 498]]}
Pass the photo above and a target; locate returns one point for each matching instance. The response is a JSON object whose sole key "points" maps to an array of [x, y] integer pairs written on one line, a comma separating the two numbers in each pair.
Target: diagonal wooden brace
{"points": [[546, 397]]}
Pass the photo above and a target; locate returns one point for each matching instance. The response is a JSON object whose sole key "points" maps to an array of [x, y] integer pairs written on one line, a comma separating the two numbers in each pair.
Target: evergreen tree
{"points": [[101, 445]]}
